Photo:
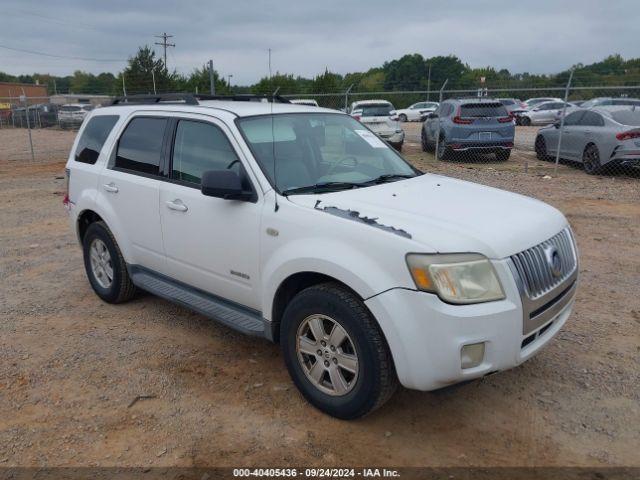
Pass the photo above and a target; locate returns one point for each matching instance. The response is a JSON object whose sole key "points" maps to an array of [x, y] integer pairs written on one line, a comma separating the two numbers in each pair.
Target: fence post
{"points": [[153, 77], [564, 111], [26, 111], [438, 134], [346, 98], [212, 84]]}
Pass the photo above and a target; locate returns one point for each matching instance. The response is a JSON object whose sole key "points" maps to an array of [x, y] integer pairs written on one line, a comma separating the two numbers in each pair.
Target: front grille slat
{"points": [[534, 269]]}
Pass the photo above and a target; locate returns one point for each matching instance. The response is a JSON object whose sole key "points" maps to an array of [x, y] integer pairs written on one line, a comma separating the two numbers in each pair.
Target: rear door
{"points": [[568, 135], [129, 190], [210, 243]]}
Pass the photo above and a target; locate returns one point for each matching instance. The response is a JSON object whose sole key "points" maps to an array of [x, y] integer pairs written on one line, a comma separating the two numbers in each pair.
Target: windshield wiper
{"points": [[324, 186], [390, 176]]}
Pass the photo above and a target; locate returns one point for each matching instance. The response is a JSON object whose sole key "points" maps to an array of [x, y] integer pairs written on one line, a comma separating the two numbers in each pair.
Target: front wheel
{"points": [[403, 117], [335, 352], [525, 121], [541, 148], [503, 155]]}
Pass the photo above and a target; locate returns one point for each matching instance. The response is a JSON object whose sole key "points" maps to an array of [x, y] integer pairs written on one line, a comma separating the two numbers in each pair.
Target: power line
{"points": [[164, 44], [53, 55]]}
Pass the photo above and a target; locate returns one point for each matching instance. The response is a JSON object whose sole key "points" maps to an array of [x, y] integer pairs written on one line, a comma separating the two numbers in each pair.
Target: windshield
{"points": [[312, 149], [381, 110]]}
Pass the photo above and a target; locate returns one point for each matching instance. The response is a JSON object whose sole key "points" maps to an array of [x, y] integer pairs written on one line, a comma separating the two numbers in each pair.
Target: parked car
{"points": [[599, 138], [513, 105], [469, 125], [609, 101], [532, 102], [73, 114], [333, 245], [381, 119], [310, 102], [416, 112], [40, 115], [543, 113]]}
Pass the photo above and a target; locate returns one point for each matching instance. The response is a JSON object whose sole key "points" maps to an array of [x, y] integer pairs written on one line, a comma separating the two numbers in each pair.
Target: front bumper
{"points": [[426, 335]]}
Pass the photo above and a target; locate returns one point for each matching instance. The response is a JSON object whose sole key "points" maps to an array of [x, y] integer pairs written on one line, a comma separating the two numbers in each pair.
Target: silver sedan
{"points": [[599, 138]]}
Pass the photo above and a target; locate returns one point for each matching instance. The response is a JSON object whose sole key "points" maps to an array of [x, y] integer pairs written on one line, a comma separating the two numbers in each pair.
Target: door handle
{"points": [[110, 187], [177, 205]]}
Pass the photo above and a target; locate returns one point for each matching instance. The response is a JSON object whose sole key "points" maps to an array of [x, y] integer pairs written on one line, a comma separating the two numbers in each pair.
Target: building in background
{"points": [[66, 98], [10, 92]]}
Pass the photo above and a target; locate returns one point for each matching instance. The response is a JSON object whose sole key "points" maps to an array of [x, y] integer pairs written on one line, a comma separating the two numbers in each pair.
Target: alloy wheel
{"points": [[101, 265], [327, 355]]}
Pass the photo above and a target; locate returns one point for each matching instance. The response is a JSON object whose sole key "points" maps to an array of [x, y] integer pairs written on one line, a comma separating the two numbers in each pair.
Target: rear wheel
{"points": [[541, 148], [105, 266], [403, 117], [525, 121], [426, 146], [591, 160], [336, 353], [444, 151]]}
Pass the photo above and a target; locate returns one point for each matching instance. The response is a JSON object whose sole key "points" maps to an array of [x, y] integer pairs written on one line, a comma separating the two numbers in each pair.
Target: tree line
{"points": [[145, 73]]}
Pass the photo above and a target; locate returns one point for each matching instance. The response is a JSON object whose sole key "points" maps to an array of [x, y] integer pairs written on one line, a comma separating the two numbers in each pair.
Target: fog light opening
{"points": [[472, 355]]}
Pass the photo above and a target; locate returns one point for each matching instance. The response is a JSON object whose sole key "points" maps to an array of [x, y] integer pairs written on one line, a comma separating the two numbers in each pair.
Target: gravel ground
{"points": [[72, 366]]}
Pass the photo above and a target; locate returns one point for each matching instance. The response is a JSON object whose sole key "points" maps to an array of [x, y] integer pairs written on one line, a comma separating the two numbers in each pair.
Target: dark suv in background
{"points": [[469, 125]]}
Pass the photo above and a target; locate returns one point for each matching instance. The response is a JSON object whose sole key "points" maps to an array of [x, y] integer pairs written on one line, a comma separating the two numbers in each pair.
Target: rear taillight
{"points": [[628, 135], [65, 199], [462, 121], [505, 119]]}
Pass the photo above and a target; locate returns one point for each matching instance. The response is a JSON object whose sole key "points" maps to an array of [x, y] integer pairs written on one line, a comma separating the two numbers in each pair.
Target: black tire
{"points": [[525, 121], [426, 145], [503, 155], [398, 147], [444, 152], [402, 117], [121, 288], [591, 160], [376, 379], [541, 149]]}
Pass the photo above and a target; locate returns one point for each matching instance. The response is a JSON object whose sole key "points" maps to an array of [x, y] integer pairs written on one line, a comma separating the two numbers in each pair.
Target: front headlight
{"points": [[456, 278]]}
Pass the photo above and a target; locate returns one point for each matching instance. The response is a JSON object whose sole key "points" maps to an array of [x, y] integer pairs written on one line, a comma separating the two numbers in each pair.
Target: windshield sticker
{"points": [[371, 139]]}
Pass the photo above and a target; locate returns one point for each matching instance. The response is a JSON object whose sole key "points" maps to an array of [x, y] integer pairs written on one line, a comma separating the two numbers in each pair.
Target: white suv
{"points": [[380, 117], [299, 225]]}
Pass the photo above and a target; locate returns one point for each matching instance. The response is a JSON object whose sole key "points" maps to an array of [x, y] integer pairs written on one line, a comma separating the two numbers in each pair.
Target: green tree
{"points": [[141, 70]]}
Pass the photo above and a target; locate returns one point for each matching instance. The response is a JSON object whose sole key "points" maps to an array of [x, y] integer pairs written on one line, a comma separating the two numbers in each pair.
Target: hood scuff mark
{"points": [[356, 217]]}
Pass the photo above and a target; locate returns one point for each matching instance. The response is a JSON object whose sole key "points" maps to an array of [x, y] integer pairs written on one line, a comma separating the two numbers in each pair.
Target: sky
{"points": [[545, 36]]}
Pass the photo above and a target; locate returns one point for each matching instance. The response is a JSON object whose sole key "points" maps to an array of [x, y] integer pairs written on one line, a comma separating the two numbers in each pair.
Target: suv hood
{"points": [[446, 215]]}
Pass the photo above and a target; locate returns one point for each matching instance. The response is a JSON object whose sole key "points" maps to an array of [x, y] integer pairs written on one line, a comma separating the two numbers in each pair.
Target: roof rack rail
{"points": [[192, 98]]}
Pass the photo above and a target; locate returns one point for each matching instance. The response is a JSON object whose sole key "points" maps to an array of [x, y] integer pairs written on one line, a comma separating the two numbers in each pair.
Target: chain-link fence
{"points": [[549, 130]]}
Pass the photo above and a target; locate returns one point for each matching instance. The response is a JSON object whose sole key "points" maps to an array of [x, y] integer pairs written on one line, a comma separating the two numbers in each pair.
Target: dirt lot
{"points": [[70, 365]]}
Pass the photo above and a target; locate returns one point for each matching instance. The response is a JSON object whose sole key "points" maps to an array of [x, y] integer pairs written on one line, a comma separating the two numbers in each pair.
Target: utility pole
{"points": [[429, 83], [212, 84], [229, 81], [164, 44]]}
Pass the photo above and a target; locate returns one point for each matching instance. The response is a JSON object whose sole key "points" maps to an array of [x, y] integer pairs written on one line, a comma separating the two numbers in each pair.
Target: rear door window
{"points": [[573, 118], [483, 110], [93, 137], [199, 147], [140, 146], [592, 119]]}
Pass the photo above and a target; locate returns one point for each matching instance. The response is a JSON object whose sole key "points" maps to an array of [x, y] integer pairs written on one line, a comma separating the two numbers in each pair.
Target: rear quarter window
{"points": [[93, 137]]}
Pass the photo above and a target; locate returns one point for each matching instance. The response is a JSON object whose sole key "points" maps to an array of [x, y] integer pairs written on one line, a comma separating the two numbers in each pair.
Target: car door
{"points": [[414, 111], [210, 243], [129, 190], [568, 135], [583, 133]]}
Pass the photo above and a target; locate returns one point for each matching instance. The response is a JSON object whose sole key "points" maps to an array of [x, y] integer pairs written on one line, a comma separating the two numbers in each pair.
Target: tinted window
{"points": [[140, 145], [93, 138], [626, 102], [507, 102], [381, 110], [70, 109], [573, 118], [447, 110], [592, 119], [199, 147], [483, 110]]}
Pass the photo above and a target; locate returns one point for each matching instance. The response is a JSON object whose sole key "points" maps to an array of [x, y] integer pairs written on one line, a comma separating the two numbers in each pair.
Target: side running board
{"points": [[238, 317]]}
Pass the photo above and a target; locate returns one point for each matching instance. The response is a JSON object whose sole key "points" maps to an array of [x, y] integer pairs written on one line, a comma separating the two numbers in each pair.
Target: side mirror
{"points": [[432, 115], [224, 184]]}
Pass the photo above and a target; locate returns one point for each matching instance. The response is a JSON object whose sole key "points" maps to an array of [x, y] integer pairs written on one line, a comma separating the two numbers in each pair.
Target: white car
{"points": [[310, 102], [380, 117], [416, 112], [298, 225], [543, 113], [73, 114]]}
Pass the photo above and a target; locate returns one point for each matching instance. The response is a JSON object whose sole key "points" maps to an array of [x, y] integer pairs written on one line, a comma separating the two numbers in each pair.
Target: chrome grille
{"points": [[536, 272]]}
